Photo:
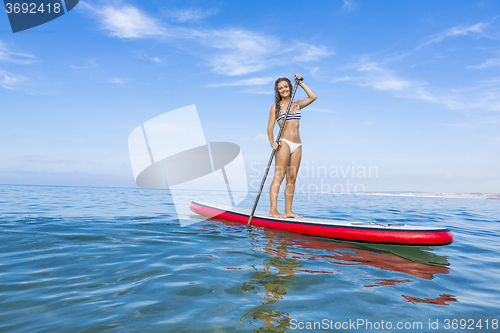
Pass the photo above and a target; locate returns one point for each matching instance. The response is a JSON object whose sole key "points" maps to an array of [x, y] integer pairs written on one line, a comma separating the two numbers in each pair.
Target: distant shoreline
{"points": [[437, 195]]}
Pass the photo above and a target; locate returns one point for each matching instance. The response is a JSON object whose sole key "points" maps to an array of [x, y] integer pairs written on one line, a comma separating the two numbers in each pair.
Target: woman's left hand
{"points": [[298, 77]]}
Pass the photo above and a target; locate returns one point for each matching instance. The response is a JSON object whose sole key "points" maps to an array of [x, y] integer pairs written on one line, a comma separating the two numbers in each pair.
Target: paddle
{"points": [[274, 152]]}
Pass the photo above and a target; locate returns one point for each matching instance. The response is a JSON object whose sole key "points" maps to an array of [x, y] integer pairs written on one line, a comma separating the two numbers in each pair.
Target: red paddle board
{"points": [[387, 233]]}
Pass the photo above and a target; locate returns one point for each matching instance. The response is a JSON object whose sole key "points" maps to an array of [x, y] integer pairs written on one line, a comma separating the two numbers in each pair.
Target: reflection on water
{"points": [[384, 282], [288, 253], [441, 300], [275, 279]]}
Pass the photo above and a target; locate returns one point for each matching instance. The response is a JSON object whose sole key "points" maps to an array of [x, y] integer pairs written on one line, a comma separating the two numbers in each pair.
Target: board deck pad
{"points": [[387, 233]]}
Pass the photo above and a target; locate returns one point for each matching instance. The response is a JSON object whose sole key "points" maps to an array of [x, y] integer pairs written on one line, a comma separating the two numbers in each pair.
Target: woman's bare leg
{"points": [[291, 177], [280, 163]]}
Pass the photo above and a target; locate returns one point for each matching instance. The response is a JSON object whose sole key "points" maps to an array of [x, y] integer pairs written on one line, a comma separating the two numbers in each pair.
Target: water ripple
{"points": [[87, 260]]}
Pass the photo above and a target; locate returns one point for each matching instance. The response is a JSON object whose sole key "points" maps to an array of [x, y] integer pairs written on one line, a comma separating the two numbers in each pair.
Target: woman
{"points": [[289, 147]]}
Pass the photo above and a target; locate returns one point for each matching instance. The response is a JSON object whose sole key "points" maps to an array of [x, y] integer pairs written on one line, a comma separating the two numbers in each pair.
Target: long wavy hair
{"points": [[277, 96]]}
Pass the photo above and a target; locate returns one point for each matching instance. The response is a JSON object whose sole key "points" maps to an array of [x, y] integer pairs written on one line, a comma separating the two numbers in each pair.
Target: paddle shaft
{"points": [[273, 153]]}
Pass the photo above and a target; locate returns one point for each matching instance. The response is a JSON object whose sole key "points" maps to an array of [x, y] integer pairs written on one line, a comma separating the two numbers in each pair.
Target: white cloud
{"points": [[309, 53], [380, 78], [231, 52], [480, 95], [188, 15], [7, 55], [247, 52], [258, 80], [155, 59], [341, 79], [255, 81], [456, 31], [391, 84], [481, 123], [478, 29], [91, 63], [254, 85], [488, 63], [144, 56], [349, 5], [127, 22], [476, 97], [11, 81], [240, 51], [117, 80], [121, 80]]}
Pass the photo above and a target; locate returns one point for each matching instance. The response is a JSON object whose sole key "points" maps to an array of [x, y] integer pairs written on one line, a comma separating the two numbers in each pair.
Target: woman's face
{"points": [[283, 89]]}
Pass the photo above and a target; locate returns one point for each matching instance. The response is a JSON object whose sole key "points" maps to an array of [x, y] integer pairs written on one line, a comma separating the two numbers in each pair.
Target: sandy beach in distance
{"points": [[436, 195]]}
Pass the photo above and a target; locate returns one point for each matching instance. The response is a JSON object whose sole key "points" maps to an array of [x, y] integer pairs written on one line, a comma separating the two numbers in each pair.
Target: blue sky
{"points": [[407, 88]]}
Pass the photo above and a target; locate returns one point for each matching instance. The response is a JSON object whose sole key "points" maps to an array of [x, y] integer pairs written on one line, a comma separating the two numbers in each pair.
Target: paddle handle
{"points": [[273, 153]]}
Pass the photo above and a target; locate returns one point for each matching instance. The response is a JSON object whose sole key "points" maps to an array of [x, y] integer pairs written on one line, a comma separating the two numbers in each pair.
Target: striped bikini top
{"points": [[295, 115]]}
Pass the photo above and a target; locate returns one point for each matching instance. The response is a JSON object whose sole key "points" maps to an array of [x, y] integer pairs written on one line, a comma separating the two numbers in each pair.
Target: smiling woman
{"points": [[288, 155]]}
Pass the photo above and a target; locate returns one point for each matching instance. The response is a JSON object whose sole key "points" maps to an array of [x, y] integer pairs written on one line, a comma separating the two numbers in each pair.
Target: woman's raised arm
{"points": [[311, 96]]}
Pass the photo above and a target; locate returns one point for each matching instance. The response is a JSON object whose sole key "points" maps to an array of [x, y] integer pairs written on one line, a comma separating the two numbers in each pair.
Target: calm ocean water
{"points": [[77, 259]]}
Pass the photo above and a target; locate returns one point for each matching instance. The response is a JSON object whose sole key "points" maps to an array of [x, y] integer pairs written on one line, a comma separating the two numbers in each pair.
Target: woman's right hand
{"points": [[275, 145]]}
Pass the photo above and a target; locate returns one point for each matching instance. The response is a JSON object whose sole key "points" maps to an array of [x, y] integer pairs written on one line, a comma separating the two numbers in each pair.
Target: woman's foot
{"points": [[276, 214], [293, 215]]}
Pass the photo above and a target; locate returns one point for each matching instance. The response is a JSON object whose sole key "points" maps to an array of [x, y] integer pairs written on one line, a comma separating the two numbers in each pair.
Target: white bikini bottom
{"points": [[293, 146]]}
